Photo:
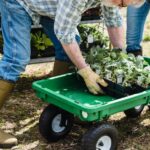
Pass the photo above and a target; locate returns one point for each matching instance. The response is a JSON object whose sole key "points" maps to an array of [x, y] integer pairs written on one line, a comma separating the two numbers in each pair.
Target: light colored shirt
{"points": [[67, 15]]}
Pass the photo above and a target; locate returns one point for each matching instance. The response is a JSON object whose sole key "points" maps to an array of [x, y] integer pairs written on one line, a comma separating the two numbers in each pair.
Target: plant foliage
{"points": [[94, 30], [119, 67], [40, 41]]}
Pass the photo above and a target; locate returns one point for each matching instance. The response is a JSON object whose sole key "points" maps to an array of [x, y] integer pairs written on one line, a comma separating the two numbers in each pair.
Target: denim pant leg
{"points": [[16, 26], [48, 26], [135, 25]]}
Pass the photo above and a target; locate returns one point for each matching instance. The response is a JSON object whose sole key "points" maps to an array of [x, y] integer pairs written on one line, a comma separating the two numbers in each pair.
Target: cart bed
{"points": [[70, 93]]}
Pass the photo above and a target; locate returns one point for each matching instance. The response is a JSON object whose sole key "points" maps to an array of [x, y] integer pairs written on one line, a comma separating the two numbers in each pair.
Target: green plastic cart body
{"points": [[70, 93]]}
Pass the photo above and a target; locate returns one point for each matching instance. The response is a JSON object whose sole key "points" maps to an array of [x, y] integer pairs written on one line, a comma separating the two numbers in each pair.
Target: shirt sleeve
{"points": [[112, 16], [68, 16]]}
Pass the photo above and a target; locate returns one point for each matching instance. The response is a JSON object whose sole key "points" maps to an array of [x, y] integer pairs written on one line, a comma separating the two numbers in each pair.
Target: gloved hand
{"points": [[91, 80]]}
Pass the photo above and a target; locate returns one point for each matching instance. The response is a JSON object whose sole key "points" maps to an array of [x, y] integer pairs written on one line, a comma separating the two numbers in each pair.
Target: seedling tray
{"points": [[118, 91]]}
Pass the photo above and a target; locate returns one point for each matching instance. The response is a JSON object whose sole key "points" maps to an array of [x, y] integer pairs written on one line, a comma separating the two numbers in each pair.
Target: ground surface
{"points": [[21, 113]]}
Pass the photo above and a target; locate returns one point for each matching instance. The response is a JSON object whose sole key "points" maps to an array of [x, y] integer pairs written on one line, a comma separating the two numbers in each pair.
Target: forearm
{"points": [[74, 53], [92, 80], [113, 21], [116, 36]]}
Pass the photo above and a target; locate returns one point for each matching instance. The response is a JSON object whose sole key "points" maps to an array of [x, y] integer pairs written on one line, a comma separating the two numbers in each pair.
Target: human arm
{"points": [[113, 21], [116, 36], [65, 29], [91, 78]]}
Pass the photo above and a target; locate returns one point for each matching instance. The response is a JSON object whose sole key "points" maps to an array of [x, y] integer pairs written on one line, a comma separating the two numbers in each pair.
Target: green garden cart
{"points": [[68, 97]]}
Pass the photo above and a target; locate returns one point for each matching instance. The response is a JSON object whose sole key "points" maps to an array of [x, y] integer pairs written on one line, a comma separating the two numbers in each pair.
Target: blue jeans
{"points": [[48, 26], [16, 27], [136, 18]]}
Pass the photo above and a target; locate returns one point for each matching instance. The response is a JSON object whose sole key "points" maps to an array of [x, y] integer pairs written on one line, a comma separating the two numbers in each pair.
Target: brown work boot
{"points": [[136, 53], [7, 140], [62, 67], [5, 89]]}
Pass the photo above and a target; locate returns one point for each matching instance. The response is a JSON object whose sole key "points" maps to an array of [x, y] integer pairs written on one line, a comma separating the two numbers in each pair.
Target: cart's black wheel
{"points": [[103, 137], [134, 112], [55, 123]]}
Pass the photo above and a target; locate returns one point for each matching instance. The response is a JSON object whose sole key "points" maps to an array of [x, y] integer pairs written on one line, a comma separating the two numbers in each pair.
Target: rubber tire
{"points": [[133, 112], [45, 123], [92, 136]]}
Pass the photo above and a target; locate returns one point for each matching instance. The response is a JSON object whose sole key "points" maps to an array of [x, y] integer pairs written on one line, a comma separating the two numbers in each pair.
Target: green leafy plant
{"points": [[94, 30], [119, 67], [40, 41]]}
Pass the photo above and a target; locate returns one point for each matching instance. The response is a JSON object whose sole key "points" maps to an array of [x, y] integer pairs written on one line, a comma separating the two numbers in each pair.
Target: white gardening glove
{"points": [[92, 80]]}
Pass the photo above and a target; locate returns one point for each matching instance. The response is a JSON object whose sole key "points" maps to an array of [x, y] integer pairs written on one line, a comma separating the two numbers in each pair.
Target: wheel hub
{"points": [[104, 143], [56, 124]]}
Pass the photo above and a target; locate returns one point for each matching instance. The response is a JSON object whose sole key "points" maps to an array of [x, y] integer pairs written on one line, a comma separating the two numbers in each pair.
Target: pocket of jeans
{"points": [[14, 7]]}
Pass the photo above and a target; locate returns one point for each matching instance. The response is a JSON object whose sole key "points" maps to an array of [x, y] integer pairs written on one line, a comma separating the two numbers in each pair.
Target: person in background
{"points": [[59, 19], [136, 18]]}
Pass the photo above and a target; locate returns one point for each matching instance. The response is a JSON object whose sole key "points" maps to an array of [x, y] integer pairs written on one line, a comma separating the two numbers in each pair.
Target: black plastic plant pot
{"points": [[118, 91], [136, 89]]}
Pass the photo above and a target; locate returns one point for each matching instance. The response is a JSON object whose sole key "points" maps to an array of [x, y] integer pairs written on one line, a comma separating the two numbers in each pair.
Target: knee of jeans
{"points": [[62, 57], [26, 61], [66, 59], [60, 54], [22, 63]]}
